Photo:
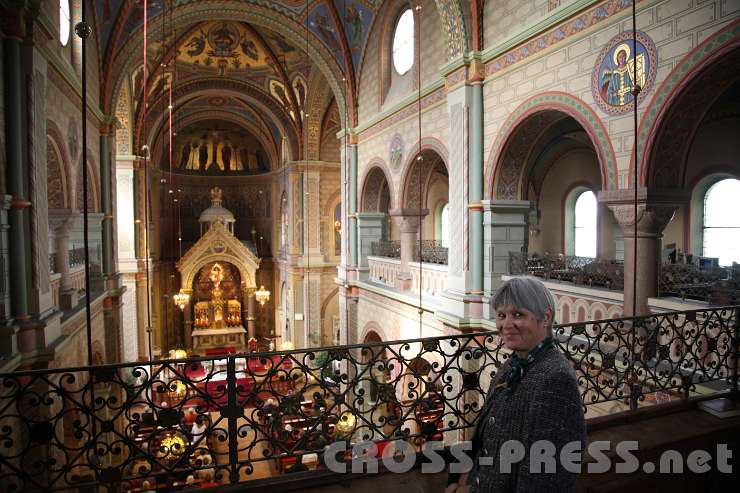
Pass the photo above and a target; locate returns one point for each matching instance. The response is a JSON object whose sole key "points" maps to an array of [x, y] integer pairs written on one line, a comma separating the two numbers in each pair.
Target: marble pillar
{"points": [[61, 222], [409, 223], [642, 239], [370, 229]]}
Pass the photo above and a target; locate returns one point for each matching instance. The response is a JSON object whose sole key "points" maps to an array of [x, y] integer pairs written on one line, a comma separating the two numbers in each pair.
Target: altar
{"points": [[218, 284]]}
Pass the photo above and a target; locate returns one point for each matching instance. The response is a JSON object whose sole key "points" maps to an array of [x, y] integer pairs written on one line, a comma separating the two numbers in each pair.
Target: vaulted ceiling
{"points": [[269, 55]]}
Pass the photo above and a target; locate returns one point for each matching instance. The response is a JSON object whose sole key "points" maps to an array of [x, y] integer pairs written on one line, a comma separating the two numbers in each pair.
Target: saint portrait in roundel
{"points": [[622, 67]]}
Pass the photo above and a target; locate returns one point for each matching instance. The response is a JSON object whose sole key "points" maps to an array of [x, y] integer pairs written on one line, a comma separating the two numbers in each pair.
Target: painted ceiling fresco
{"points": [[356, 15], [216, 147]]}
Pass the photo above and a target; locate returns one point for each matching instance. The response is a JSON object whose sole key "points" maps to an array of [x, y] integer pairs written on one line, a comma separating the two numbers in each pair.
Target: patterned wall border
{"points": [[557, 34], [669, 91], [453, 23], [573, 107], [410, 109]]}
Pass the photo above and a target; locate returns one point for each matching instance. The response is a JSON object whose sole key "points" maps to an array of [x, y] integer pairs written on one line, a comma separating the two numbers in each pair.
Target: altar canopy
{"points": [[218, 274]]}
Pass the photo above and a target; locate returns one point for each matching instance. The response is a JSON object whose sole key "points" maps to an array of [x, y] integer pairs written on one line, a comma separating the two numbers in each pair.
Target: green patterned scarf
{"points": [[519, 365]]}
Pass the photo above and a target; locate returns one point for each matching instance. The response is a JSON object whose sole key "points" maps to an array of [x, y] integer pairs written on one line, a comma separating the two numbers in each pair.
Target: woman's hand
{"points": [[460, 487]]}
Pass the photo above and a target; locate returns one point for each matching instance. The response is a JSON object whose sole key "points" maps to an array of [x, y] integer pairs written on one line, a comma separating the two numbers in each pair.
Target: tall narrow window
{"points": [[585, 225], [721, 237], [444, 221], [64, 22], [403, 43]]}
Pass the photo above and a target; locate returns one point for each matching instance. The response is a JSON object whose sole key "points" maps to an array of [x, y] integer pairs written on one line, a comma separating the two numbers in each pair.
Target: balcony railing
{"points": [[715, 285], [385, 248], [585, 271], [116, 425], [432, 252]]}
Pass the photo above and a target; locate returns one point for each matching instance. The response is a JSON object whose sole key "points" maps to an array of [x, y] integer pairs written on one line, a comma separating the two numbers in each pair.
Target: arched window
{"points": [[585, 225], [444, 225], [403, 43], [64, 22], [721, 238]]}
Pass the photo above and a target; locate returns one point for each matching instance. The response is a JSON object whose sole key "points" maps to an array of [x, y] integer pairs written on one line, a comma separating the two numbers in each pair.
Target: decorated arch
{"points": [[505, 170]]}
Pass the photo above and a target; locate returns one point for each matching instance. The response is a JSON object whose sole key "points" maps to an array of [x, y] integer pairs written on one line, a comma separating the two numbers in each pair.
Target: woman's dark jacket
{"points": [[544, 405]]}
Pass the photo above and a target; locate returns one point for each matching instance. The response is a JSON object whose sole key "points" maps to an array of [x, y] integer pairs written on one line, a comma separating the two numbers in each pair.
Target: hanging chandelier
{"points": [[181, 299], [262, 295]]}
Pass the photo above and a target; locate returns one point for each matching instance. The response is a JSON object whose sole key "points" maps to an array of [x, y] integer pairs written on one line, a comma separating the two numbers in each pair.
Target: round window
{"points": [[403, 43]]}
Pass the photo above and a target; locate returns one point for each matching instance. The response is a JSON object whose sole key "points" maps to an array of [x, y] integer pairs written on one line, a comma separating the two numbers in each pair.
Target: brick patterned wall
{"points": [[504, 18], [675, 28]]}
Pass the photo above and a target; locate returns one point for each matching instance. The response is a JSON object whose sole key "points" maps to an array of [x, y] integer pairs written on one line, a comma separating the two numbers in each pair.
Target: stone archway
{"points": [[680, 104], [506, 167]]}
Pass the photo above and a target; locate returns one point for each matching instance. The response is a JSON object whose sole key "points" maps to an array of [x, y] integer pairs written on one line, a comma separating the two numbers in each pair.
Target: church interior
{"points": [[235, 232]]}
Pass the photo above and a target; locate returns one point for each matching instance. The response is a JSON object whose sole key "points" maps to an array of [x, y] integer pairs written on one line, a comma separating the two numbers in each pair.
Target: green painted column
{"points": [[18, 218], [475, 188], [353, 201], [105, 193]]}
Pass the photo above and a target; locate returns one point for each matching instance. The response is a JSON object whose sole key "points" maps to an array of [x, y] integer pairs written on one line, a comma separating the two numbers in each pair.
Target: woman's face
{"points": [[520, 328]]}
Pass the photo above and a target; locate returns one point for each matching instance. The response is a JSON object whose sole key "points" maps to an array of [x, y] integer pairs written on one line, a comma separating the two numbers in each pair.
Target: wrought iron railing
{"points": [[715, 285], [585, 271], [115, 426], [432, 252], [76, 256], [386, 248]]}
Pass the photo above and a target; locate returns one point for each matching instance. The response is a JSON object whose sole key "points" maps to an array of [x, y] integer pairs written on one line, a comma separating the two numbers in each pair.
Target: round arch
{"points": [[265, 139], [241, 90], [412, 171], [375, 171], [247, 270], [54, 137], [215, 10], [679, 105], [534, 115]]}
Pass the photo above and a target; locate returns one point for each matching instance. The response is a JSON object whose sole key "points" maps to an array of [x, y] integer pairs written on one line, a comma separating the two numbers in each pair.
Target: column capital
{"points": [[62, 220], [107, 126], [409, 220], [655, 208]]}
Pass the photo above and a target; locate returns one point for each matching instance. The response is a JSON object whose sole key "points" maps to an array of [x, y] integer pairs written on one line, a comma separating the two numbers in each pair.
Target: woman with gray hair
{"points": [[533, 408]]}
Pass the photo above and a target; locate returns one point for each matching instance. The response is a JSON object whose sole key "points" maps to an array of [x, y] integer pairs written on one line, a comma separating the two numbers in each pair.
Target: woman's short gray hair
{"points": [[525, 292]]}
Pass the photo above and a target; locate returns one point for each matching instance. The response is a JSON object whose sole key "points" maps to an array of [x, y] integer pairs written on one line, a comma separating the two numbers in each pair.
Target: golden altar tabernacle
{"points": [[218, 277]]}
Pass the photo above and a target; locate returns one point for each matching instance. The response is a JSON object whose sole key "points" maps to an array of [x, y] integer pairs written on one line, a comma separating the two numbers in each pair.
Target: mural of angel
{"points": [[354, 19], [197, 45], [322, 26], [250, 49], [617, 81]]}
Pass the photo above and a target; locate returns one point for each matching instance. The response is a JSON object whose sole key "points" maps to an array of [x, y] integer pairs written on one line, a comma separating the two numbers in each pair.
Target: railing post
{"points": [[735, 342], [231, 416]]}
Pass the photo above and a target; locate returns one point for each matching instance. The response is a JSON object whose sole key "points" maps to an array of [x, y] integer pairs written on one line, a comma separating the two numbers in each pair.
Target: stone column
{"points": [[62, 221], [370, 229], [463, 293], [352, 200], [8, 343], [251, 311], [19, 242], [187, 323], [505, 225], [409, 222], [107, 133], [655, 209]]}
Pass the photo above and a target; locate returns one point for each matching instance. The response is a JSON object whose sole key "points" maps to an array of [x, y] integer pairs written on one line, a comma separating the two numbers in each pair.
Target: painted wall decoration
{"points": [[105, 13], [396, 152], [73, 138], [217, 148], [356, 18], [619, 69], [322, 25]]}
